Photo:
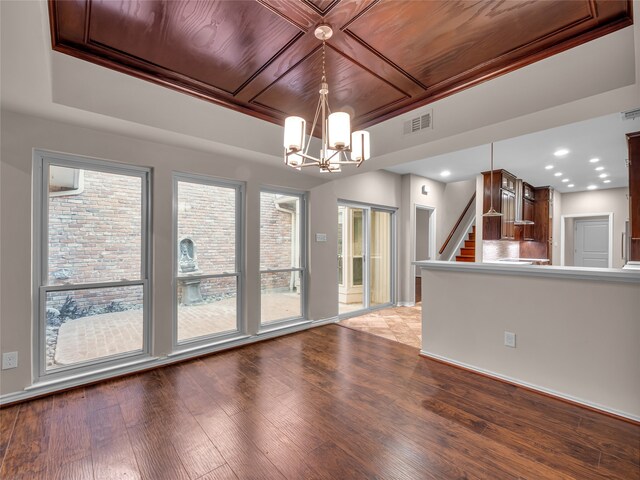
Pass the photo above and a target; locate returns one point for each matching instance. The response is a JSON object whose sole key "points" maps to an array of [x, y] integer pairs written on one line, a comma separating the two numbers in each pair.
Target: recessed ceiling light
{"points": [[603, 175], [592, 187], [561, 152], [548, 167], [599, 169], [445, 173], [594, 160], [606, 181], [571, 185], [557, 174], [565, 180]]}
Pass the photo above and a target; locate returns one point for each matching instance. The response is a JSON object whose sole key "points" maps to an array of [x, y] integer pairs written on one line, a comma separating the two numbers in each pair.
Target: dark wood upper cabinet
{"points": [[504, 201], [528, 209], [386, 57], [633, 140]]}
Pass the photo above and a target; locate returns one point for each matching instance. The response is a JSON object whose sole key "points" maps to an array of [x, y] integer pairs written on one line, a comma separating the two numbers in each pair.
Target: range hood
{"points": [[519, 204]]}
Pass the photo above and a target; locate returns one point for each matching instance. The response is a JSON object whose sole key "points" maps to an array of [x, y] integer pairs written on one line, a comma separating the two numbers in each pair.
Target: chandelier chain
{"points": [[324, 75]]}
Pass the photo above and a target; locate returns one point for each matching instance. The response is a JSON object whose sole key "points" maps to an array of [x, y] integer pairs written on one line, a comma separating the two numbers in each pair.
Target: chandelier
{"points": [[337, 139]]}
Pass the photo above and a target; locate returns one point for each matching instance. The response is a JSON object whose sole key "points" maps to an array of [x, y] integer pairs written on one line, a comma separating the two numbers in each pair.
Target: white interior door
{"points": [[591, 243]]}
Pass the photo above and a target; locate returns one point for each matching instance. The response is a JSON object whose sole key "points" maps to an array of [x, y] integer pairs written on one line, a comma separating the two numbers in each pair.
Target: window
{"points": [[207, 261], [91, 272], [282, 253]]}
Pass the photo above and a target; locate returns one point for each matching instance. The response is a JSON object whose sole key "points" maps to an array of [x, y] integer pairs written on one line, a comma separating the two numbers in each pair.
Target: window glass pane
{"points": [[380, 264], [279, 231], [357, 233], [85, 325], [95, 226], [340, 245], [206, 229], [357, 271], [281, 296], [206, 307]]}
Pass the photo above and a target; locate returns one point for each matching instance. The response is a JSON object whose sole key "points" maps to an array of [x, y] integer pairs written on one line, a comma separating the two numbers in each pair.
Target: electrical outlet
{"points": [[9, 360], [510, 339]]}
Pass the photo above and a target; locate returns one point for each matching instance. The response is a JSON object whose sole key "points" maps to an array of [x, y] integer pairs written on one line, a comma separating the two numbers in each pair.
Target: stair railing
{"points": [[455, 227]]}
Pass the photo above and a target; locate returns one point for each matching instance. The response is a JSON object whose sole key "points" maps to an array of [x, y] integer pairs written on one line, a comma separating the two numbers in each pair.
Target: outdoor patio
{"points": [[87, 338]]}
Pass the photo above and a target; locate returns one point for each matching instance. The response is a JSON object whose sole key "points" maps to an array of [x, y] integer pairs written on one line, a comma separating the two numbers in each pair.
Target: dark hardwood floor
{"points": [[328, 403]]}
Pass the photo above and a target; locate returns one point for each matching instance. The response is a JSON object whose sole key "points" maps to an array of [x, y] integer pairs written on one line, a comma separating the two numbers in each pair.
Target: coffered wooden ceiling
{"points": [[386, 57]]}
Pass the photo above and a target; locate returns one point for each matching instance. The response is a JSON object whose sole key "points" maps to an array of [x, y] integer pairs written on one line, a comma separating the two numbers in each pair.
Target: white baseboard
{"points": [[532, 386], [52, 386], [406, 304]]}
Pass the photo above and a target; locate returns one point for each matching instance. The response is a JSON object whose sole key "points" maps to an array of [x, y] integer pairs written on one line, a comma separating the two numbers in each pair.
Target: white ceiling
{"points": [[580, 83], [527, 156]]}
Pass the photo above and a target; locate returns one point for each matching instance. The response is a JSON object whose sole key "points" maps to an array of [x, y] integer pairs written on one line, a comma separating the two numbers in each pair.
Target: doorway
{"points": [[423, 242], [586, 241], [366, 252]]}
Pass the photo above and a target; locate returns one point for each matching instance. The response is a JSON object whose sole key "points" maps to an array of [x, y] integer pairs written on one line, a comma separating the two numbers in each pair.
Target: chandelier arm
{"points": [[336, 152], [313, 126], [305, 156]]}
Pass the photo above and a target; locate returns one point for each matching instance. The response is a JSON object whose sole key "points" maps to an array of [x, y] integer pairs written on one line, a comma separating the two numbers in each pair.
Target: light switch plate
{"points": [[9, 360], [321, 237], [510, 339]]}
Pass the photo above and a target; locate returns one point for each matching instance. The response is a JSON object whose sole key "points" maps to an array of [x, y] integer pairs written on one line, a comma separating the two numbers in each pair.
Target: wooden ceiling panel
{"points": [[386, 57], [296, 93], [444, 40], [219, 43]]}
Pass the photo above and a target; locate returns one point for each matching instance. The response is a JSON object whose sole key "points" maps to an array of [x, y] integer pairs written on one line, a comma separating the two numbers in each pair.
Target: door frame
{"points": [[563, 227], [432, 243], [367, 207]]}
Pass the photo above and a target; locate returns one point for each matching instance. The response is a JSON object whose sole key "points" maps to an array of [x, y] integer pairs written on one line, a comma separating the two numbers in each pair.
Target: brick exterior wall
{"points": [[206, 215], [95, 236], [276, 241]]}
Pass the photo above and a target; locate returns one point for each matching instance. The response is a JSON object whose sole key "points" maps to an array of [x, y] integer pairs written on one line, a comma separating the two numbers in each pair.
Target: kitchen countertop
{"points": [[500, 268], [518, 261]]}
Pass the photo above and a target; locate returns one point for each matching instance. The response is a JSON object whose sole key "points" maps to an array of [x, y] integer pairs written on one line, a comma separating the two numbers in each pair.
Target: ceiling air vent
{"points": [[631, 114], [415, 125]]}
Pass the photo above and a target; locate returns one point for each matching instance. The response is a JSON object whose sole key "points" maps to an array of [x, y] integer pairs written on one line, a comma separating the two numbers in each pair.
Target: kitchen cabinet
{"points": [[633, 142], [508, 209], [543, 221], [504, 201], [528, 207]]}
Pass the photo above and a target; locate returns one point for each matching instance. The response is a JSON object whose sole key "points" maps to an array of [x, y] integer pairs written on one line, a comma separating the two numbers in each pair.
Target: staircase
{"points": [[468, 252]]}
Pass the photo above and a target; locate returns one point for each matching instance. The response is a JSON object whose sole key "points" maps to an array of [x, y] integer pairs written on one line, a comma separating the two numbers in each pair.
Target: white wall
{"points": [[22, 133], [577, 338], [456, 197], [448, 200], [598, 202], [377, 188]]}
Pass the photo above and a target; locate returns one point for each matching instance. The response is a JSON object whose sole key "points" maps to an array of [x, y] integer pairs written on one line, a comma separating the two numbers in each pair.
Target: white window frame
{"points": [[241, 328], [41, 162], [302, 269]]}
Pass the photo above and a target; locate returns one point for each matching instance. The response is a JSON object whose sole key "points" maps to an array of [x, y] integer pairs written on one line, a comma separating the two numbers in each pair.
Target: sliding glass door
{"points": [[365, 258]]}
